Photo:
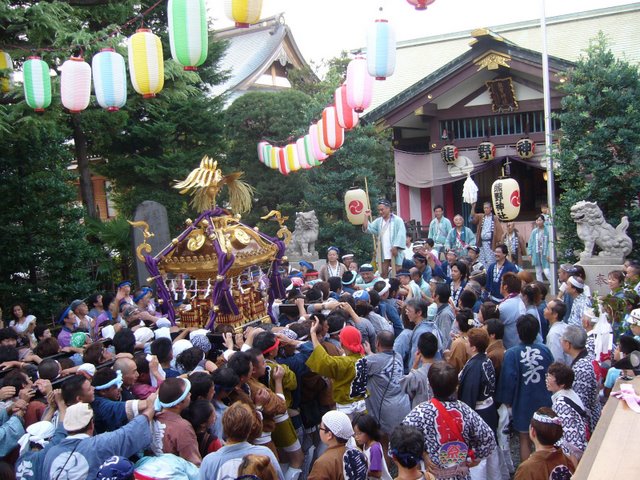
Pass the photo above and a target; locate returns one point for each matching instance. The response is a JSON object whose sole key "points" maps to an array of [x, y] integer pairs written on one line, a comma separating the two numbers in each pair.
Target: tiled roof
{"points": [[567, 37], [251, 51]]}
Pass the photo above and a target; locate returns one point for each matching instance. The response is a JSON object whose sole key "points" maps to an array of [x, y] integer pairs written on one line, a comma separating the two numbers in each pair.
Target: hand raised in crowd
{"points": [[150, 409], [19, 407], [44, 386], [228, 340], [367, 347], [278, 373], [26, 394], [367, 213], [7, 392]]}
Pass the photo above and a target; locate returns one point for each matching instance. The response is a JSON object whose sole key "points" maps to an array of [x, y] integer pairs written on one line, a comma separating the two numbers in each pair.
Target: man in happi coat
{"points": [[489, 233], [456, 437], [522, 379], [387, 403], [391, 236]]}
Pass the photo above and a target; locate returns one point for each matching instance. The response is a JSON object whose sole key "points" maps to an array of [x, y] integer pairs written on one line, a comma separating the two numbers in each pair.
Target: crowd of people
{"points": [[432, 363]]}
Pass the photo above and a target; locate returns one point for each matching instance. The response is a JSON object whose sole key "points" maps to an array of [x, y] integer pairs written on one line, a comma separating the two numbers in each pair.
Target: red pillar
{"points": [[448, 200], [404, 207], [425, 202]]}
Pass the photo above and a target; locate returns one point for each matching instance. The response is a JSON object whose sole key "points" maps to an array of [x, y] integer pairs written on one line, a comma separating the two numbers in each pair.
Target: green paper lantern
{"points": [[188, 35], [37, 84]]}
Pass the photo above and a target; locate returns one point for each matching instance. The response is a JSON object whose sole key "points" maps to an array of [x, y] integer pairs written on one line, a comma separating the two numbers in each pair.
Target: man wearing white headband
{"points": [[178, 436], [34, 445], [575, 289]]}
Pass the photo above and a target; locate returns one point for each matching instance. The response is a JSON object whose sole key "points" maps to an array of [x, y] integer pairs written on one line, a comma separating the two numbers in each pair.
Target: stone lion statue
{"points": [[594, 230], [305, 235]]}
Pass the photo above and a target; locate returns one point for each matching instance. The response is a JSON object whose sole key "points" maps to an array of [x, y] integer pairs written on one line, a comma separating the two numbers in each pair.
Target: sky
{"points": [[323, 28]]}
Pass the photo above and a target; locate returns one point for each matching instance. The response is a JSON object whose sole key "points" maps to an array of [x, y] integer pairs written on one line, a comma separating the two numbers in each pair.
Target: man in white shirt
{"points": [[554, 313]]}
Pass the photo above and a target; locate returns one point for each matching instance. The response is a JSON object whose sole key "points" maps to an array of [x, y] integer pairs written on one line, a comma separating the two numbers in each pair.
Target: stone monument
{"points": [[304, 237], [614, 244], [153, 213]]}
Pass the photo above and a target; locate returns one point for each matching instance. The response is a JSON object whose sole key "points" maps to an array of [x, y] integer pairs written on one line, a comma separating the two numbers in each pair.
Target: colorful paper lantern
{"points": [[333, 133], [347, 117], [359, 85], [526, 148], [75, 84], [321, 143], [449, 154], [261, 150], [188, 34], [146, 64], [421, 4], [381, 49], [243, 12], [310, 150], [318, 153], [305, 152], [486, 151], [356, 203], [291, 154], [505, 196], [267, 154], [37, 84], [109, 79], [5, 64]]}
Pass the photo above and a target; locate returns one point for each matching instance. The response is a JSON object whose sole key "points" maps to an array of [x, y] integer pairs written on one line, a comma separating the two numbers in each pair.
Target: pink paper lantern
{"points": [[347, 117], [75, 84], [332, 132], [421, 4], [318, 154], [305, 152], [359, 84]]}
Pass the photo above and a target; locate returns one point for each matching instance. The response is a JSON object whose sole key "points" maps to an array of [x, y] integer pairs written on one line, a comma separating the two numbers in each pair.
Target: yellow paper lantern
{"points": [[5, 64], [243, 12], [146, 64]]}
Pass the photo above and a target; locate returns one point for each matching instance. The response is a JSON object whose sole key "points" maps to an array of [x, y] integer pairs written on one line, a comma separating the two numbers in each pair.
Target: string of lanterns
{"points": [[353, 97], [188, 39]]}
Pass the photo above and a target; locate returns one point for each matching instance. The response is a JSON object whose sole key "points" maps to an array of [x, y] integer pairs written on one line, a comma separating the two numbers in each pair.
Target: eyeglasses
{"points": [[324, 429]]}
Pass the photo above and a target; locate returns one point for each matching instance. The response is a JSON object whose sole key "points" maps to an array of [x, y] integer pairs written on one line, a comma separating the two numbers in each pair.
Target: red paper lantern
{"points": [[333, 133], [347, 117]]}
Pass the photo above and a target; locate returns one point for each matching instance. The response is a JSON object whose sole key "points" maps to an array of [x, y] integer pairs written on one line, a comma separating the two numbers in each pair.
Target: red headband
{"points": [[272, 347]]}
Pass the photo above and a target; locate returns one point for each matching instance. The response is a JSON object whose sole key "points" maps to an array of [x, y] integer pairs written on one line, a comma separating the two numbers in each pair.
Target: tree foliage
{"points": [[283, 117], [600, 142], [45, 259]]}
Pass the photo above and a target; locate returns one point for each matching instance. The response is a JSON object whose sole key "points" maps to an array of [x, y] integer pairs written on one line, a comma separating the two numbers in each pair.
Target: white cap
{"points": [[338, 423]]}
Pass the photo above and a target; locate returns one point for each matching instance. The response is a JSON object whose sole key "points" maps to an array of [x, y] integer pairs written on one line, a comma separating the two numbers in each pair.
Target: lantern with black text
{"points": [[109, 79], [486, 151], [359, 85], [526, 148], [449, 154], [347, 117], [505, 196], [243, 12], [188, 35], [37, 83], [146, 65]]}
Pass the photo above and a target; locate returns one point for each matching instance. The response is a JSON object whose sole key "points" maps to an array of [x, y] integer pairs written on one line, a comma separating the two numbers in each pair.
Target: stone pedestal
{"points": [[155, 214], [597, 270]]}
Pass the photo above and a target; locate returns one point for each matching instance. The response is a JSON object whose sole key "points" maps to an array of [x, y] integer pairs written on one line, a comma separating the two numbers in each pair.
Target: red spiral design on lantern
{"points": [[515, 198], [356, 207]]}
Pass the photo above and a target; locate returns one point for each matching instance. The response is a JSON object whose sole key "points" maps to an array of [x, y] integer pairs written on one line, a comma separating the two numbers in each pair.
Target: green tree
{"points": [[283, 117], [599, 144], [46, 260]]}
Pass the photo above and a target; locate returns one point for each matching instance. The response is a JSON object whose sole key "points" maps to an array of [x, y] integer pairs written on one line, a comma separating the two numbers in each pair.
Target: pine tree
{"points": [[600, 143], [45, 259]]}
